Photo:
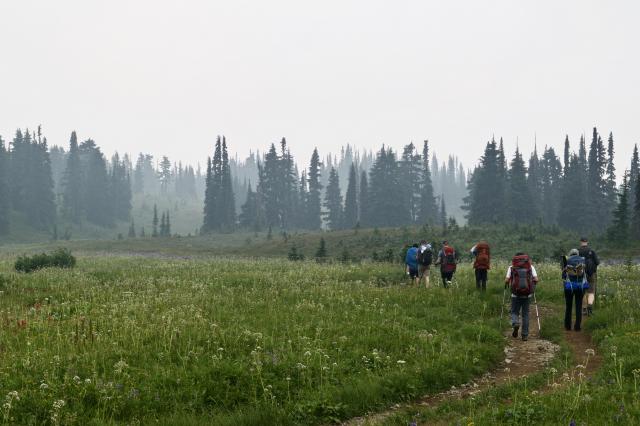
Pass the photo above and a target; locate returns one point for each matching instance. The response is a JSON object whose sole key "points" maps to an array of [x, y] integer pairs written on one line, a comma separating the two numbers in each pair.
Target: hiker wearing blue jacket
{"points": [[574, 277], [411, 260]]}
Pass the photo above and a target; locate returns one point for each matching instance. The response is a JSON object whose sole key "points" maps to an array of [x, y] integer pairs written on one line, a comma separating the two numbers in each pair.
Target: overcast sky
{"points": [[167, 76]]}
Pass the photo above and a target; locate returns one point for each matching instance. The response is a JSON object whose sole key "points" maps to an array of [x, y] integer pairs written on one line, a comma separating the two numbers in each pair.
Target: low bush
{"points": [[59, 258]]}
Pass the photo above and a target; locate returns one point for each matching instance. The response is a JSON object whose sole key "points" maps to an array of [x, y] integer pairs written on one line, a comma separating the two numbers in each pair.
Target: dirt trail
{"points": [[533, 356]]}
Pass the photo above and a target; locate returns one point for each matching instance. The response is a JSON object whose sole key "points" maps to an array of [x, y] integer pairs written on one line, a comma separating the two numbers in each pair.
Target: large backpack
{"points": [[521, 280], [425, 257], [448, 259], [575, 268], [483, 256]]}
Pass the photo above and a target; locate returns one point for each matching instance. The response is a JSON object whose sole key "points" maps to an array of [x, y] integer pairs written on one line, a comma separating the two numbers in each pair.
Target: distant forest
{"points": [[54, 189]]}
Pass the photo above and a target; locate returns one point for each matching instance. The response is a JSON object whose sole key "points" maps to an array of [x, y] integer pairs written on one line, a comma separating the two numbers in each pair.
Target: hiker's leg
{"points": [[591, 292], [578, 324], [484, 279], [515, 317], [525, 316], [568, 298], [443, 275], [478, 278], [426, 277]]}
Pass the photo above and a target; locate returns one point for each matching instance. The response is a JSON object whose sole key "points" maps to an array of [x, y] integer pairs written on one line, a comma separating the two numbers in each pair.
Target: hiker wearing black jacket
{"points": [[591, 268]]}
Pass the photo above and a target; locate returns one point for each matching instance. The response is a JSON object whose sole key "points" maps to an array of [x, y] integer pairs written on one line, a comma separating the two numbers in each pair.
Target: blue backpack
{"points": [[574, 274]]}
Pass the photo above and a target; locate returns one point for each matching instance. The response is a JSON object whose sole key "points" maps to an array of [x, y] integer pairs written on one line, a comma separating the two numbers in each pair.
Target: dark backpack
{"points": [[589, 259], [575, 268], [448, 259], [483, 256], [521, 280], [425, 257]]}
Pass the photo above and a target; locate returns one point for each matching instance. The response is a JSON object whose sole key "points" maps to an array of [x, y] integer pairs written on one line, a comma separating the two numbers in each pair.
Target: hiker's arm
{"points": [[596, 260]]}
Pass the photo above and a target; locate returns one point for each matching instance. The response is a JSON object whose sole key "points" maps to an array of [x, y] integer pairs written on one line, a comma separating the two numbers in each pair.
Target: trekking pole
{"points": [[537, 314]]}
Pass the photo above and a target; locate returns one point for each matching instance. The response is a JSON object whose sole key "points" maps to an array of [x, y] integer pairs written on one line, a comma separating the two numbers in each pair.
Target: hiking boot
{"points": [[524, 338], [589, 311], [515, 331]]}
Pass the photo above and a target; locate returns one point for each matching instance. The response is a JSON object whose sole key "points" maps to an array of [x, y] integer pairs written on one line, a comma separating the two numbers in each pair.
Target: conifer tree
{"points": [[611, 192], [138, 175], [165, 174], [410, 175], [227, 199], [132, 230], [385, 196], [314, 220], [485, 203], [363, 200], [351, 200], [518, 195], [551, 181], [619, 229], [41, 201], [443, 213], [321, 253], [96, 191], [598, 212], [163, 225], [250, 215], [567, 155], [167, 225], [635, 224], [333, 201], [4, 189], [72, 183], [573, 201], [534, 184], [154, 232], [634, 174], [428, 209], [209, 199]]}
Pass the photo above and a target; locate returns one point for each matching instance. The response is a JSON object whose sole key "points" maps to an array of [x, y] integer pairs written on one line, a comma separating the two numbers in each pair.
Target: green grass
{"points": [[231, 341]]}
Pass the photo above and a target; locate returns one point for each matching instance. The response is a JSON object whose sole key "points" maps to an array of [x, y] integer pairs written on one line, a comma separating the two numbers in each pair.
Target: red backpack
{"points": [[521, 276], [448, 259], [483, 256]]}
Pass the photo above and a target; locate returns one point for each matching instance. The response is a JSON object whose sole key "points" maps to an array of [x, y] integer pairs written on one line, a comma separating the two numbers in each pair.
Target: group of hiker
{"points": [[579, 277]]}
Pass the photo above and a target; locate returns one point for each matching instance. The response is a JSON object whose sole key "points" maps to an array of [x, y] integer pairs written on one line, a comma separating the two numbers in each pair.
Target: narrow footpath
{"points": [[533, 355]]}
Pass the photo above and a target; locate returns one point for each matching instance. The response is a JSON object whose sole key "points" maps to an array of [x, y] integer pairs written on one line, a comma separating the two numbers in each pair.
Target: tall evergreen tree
{"points": [[567, 155], [138, 175], [610, 189], [410, 169], [351, 200], [333, 201], [120, 187], [443, 213], [634, 174], [209, 219], [250, 217], [4, 190], [635, 223], [534, 184], [363, 200], [428, 209], [164, 174], [154, 232], [573, 199], [598, 212], [485, 203], [386, 202], [519, 195], [552, 181], [619, 229], [227, 199], [96, 191], [41, 202], [315, 188]]}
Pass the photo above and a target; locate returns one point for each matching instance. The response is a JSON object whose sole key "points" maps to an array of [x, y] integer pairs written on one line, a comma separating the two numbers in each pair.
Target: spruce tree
{"points": [[132, 230], [321, 253], [315, 187], [635, 224], [167, 225], [138, 175], [163, 225], [598, 212], [351, 201], [385, 198], [611, 192], [534, 185], [41, 202], [634, 174], [443, 213], [4, 189], [164, 174], [72, 182], [227, 199], [410, 176], [333, 201], [551, 181], [485, 203], [518, 194], [428, 209], [567, 155], [209, 199], [619, 229], [249, 215], [573, 197], [154, 229], [363, 200]]}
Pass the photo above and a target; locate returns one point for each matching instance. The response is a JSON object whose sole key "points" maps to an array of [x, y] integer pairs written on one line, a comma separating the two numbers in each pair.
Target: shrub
{"points": [[59, 258]]}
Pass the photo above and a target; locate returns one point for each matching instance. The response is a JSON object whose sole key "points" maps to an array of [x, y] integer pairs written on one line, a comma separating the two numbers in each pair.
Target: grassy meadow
{"points": [[166, 340], [230, 341]]}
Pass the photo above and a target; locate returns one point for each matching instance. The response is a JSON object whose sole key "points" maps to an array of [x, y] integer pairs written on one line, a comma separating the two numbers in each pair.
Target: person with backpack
{"points": [[522, 279], [425, 258], [448, 261], [411, 261], [575, 283], [481, 263], [591, 268]]}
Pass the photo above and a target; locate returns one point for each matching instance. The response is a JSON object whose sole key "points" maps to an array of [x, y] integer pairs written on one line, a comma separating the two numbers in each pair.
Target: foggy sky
{"points": [[166, 77]]}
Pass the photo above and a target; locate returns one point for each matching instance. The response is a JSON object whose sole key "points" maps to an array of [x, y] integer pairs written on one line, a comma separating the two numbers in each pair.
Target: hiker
{"points": [[481, 263], [591, 262], [575, 282], [522, 279], [447, 259], [411, 260], [425, 258]]}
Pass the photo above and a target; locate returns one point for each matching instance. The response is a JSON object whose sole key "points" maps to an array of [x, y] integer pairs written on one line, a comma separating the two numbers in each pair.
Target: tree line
{"points": [[578, 193]]}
